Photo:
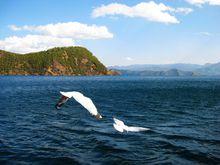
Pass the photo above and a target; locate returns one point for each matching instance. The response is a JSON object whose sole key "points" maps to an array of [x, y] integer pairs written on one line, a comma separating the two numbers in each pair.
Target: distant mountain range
{"points": [[179, 69]]}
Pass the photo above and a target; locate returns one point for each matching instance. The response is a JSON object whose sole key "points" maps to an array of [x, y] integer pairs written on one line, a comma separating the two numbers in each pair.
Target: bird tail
{"points": [[98, 116]]}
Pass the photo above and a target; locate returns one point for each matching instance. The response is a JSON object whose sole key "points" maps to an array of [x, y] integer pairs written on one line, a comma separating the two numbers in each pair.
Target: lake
{"points": [[183, 114]]}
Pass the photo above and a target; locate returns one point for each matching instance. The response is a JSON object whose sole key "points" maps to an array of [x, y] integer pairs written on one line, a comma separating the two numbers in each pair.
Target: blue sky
{"points": [[119, 32]]}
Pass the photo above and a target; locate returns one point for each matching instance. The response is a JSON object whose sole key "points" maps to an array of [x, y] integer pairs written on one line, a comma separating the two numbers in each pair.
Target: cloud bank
{"points": [[33, 43], [150, 11], [74, 30], [52, 35]]}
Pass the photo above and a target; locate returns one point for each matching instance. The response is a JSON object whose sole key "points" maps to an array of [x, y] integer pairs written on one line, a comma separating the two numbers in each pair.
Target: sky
{"points": [[118, 32]]}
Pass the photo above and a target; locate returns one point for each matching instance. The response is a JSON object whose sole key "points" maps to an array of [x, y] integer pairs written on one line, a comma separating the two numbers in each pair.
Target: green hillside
{"points": [[56, 61]]}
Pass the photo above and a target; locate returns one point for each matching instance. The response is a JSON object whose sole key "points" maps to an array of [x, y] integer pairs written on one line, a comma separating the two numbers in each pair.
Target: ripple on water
{"points": [[183, 115]]}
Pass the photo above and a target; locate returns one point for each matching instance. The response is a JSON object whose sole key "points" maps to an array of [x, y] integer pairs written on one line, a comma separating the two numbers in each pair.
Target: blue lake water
{"points": [[182, 113]]}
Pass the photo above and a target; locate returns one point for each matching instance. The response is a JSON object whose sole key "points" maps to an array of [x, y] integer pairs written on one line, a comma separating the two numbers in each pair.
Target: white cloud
{"points": [[147, 10], [51, 35], [204, 34], [74, 30], [33, 43], [183, 10], [129, 59], [201, 2], [14, 28]]}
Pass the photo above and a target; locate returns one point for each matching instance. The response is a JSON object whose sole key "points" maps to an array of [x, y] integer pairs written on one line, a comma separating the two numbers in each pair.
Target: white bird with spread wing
{"points": [[121, 127], [80, 98]]}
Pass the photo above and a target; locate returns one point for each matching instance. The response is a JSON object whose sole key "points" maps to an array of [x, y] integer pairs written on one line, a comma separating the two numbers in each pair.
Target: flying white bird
{"points": [[83, 100], [121, 127]]}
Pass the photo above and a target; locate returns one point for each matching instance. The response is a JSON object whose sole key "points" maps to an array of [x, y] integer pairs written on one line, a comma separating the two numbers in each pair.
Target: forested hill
{"points": [[56, 61]]}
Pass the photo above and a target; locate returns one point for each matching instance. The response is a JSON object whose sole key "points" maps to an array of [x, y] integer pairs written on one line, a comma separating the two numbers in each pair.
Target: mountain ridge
{"points": [[56, 61], [195, 69]]}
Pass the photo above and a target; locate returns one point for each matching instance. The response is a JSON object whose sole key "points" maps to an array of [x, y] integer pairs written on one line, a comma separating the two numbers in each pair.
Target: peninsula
{"points": [[55, 62]]}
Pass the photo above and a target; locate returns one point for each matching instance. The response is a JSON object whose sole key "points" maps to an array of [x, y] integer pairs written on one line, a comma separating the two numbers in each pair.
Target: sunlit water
{"points": [[182, 113]]}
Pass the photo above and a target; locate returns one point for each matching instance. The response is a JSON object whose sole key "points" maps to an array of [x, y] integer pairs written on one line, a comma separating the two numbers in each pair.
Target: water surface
{"points": [[182, 113]]}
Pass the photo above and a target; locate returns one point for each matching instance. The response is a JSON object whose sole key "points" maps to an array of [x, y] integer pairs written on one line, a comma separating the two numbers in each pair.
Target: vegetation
{"points": [[56, 61]]}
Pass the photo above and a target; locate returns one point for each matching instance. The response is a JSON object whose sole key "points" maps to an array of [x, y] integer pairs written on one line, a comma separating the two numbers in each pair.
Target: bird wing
{"points": [[67, 94], [137, 129], [84, 101], [118, 122], [120, 126]]}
